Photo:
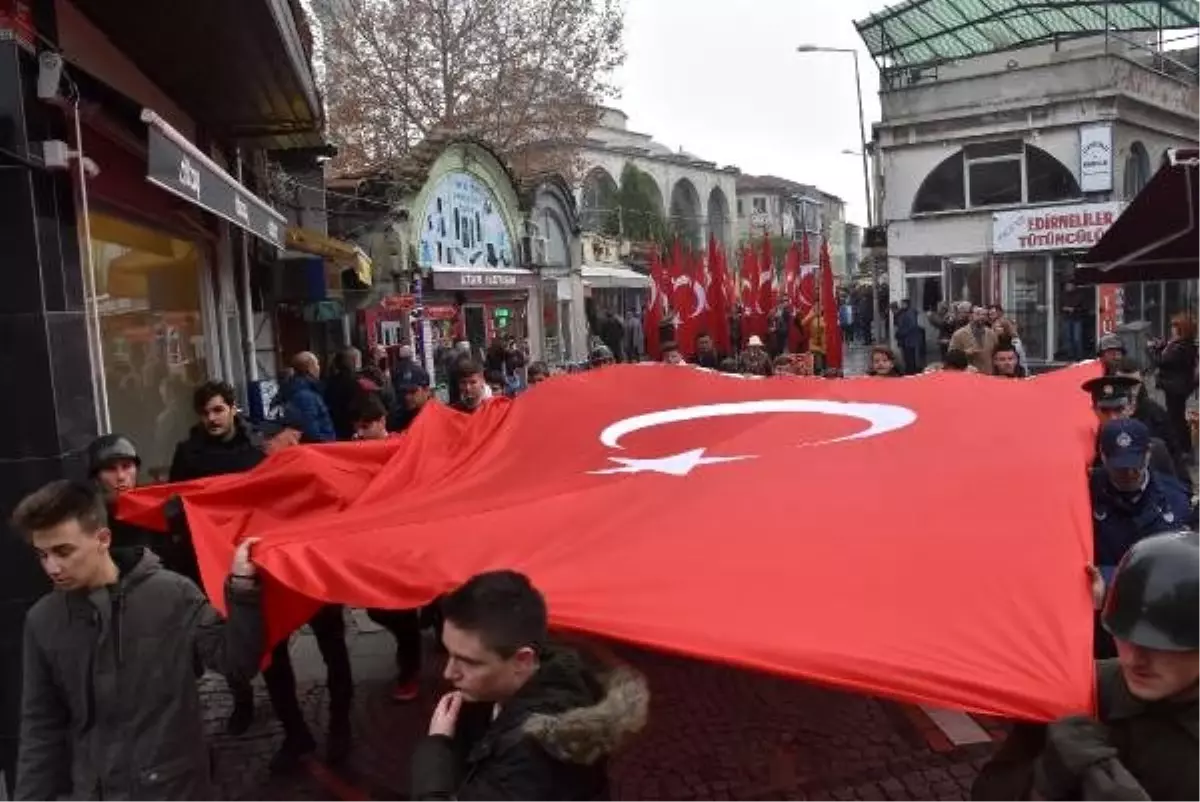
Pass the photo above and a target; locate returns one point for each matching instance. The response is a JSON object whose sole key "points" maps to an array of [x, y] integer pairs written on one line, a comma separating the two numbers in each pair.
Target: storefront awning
{"points": [[182, 169], [343, 254], [602, 276], [241, 66], [1155, 239]]}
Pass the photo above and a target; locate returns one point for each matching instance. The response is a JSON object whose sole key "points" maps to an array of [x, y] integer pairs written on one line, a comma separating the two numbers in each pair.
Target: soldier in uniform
{"points": [[1144, 742], [1114, 397], [1130, 500]]}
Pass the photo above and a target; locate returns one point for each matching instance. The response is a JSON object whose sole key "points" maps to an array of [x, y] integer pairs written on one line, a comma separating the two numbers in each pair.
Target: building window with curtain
{"points": [[152, 332]]}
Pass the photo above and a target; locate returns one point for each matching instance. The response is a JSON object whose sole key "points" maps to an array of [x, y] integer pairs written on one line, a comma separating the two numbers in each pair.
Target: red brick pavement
{"points": [[715, 733]]}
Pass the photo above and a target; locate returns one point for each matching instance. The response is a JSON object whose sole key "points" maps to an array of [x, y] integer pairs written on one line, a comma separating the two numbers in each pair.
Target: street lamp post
{"points": [[866, 171]]}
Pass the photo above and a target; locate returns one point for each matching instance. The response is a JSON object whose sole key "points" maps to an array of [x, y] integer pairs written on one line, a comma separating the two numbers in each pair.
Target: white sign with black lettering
{"points": [[1095, 158]]}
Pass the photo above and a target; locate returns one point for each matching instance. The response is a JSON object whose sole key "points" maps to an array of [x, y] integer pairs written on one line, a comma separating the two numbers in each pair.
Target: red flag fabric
{"points": [[754, 320], [655, 308], [624, 520], [718, 301], [807, 292], [829, 311], [767, 281], [791, 284]]}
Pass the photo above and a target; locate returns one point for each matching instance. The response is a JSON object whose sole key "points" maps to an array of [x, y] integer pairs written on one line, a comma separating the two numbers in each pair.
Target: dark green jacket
{"points": [[110, 708]]}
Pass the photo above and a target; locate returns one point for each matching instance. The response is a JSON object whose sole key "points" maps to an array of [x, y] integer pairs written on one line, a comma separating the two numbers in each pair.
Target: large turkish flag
{"points": [[923, 538]]}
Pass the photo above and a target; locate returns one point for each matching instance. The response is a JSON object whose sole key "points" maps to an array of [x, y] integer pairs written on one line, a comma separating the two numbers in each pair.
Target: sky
{"points": [[722, 79]]}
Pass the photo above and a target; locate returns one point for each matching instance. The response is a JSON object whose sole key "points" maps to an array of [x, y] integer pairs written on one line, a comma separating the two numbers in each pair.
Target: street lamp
{"points": [[866, 170]]}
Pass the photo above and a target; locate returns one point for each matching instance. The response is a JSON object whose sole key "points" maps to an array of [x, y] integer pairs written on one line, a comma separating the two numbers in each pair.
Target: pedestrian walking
{"points": [[110, 705]]}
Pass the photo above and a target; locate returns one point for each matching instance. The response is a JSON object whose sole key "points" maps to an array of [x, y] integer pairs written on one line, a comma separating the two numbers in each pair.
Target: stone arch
{"points": [[686, 216], [598, 202], [718, 214]]}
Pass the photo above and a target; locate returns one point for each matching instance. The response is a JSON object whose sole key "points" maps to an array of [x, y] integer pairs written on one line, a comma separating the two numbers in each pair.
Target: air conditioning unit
{"points": [[534, 251]]}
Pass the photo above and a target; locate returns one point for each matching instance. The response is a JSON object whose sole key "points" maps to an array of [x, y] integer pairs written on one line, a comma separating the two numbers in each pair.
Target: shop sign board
{"points": [[462, 225], [1052, 228], [181, 173], [482, 280], [1095, 158]]}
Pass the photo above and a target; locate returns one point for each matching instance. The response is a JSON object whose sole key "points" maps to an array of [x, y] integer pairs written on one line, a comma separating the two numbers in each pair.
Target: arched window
{"points": [[1137, 169], [999, 173], [943, 189], [1047, 178]]}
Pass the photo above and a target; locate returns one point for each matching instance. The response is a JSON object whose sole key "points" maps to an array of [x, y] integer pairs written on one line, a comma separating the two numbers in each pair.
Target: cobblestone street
{"points": [[714, 733]]}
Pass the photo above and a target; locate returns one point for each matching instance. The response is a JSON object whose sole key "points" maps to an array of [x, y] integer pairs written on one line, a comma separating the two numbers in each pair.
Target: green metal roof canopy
{"points": [[919, 32]]}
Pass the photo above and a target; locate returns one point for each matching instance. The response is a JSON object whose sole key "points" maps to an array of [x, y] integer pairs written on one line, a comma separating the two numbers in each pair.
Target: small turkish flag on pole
{"points": [[829, 312]]}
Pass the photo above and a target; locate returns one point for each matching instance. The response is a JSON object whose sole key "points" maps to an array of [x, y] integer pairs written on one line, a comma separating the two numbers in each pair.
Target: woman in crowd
{"points": [[1177, 374]]}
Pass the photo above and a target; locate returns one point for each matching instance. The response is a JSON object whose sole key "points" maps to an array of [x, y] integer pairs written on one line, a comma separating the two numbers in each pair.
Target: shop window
{"points": [[760, 205], [1137, 169], [1001, 173], [1048, 179], [148, 286], [943, 189], [915, 265]]}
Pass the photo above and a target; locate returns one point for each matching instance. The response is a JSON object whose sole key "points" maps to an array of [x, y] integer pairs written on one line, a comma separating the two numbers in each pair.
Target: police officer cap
{"points": [[1110, 342], [1110, 392], [1155, 594], [109, 448]]}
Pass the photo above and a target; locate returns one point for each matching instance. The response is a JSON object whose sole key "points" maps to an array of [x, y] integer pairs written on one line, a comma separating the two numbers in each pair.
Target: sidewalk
{"points": [[715, 733]]}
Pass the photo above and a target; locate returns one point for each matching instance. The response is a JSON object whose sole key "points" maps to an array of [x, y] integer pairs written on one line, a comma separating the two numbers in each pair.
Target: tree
{"points": [[641, 213], [511, 72]]}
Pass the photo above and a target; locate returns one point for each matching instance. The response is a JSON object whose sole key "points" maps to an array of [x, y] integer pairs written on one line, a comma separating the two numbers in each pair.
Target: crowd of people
{"points": [[111, 706]]}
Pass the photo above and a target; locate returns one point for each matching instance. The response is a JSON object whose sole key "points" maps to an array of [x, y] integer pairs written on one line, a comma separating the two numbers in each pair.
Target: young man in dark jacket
{"points": [[222, 442], [525, 721], [110, 706]]}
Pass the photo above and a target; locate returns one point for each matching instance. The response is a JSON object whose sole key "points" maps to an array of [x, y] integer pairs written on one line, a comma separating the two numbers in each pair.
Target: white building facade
{"points": [[996, 173], [694, 195]]}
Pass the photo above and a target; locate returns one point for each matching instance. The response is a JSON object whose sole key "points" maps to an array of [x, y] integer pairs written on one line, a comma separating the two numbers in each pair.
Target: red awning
{"points": [[1155, 238]]}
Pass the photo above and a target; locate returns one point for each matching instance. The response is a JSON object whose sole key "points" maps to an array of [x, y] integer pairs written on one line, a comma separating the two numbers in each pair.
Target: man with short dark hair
{"points": [[550, 722], [1005, 363], [221, 442], [110, 706], [472, 387], [706, 352]]}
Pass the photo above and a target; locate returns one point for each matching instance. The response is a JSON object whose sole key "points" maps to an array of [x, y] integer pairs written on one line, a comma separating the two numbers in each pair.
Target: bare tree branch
{"points": [[514, 72]]}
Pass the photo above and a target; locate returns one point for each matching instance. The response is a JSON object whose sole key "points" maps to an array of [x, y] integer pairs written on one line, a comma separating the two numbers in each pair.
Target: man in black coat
{"points": [[525, 721]]}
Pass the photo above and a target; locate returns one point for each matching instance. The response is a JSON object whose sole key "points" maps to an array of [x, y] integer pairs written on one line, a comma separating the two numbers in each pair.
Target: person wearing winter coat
{"points": [[110, 704], [526, 720], [304, 406]]}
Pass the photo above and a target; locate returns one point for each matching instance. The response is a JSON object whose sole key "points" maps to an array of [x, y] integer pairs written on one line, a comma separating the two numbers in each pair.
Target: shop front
{"points": [[1035, 253], [464, 237]]}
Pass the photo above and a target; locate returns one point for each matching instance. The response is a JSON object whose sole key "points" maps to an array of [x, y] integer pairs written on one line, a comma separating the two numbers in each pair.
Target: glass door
{"points": [[966, 280], [1028, 304]]}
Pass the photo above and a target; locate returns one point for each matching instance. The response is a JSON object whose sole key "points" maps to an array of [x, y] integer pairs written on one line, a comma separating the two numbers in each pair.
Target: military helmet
{"points": [[109, 448], [1155, 594]]}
